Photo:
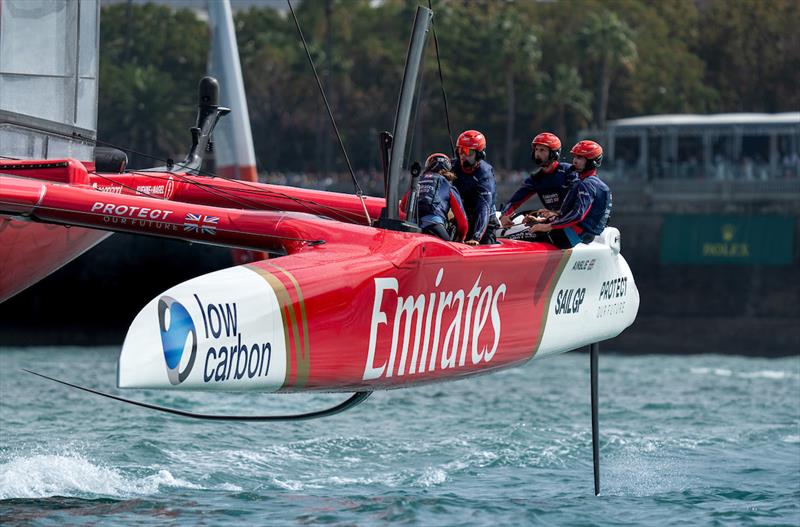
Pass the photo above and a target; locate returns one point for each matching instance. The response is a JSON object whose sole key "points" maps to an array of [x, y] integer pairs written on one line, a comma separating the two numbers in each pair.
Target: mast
{"points": [[390, 218]]}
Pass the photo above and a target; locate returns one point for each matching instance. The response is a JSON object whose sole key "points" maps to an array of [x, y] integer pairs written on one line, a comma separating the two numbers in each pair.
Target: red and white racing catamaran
{"points": [[350, 300]]}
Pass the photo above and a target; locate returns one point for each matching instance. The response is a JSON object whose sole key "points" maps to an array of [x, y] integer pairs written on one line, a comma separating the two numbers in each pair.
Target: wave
{"points": [[761, 374], [72, 475]]}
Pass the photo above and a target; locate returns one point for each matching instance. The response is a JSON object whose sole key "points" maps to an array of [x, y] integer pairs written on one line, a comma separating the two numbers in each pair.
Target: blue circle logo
{"points": [[176, 327]]}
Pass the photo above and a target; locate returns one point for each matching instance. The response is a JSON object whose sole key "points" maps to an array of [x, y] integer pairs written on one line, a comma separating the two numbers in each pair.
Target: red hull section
{"points": [[31, 251], [428, 312]]}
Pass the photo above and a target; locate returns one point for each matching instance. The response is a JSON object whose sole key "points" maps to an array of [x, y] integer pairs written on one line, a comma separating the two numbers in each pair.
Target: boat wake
{"points": [[72, 475]]}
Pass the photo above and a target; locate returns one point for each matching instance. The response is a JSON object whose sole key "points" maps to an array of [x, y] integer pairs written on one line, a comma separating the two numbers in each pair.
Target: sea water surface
{"points": [[685, 440]]}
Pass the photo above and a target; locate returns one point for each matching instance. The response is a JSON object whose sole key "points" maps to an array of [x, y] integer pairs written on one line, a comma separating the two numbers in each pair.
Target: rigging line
{"points": [[123, 185], [216, 191], [300, 201], [112, 145], [177, 176], [257, 234], [441, 81], [274, 193], [252, 189], [202, 186], [167, 161], [325, 100], [227, 194], [254, 205]]}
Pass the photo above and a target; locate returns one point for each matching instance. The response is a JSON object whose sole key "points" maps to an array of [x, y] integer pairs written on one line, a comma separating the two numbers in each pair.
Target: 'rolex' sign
{"points": [[738, 240]]}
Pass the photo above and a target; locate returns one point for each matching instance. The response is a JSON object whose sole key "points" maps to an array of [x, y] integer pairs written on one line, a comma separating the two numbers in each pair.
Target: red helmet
{"points": [[550, 141], [592, 151], [547, 139], [471, 140], [437, 162]]}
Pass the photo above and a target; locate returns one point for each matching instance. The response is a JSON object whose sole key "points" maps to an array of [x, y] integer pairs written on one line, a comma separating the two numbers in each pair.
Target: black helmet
{"points": [[437, 162]]}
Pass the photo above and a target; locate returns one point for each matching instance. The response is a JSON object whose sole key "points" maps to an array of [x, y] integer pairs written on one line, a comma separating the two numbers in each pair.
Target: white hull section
{"points": [[594, 299], [194, 336]]}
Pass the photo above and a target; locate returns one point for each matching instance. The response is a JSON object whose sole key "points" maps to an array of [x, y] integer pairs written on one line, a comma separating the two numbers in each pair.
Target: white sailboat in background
{"points": [[233, 140], [235, 156]]}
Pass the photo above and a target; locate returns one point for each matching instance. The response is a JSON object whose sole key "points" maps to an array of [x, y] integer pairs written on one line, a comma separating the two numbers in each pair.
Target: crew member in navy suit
{"points": [[477, 186], [437, 199], [551, 181], [587, 206]]}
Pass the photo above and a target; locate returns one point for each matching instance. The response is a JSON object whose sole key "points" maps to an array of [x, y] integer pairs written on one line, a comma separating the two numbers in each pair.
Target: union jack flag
{"points": [[200, 223]]}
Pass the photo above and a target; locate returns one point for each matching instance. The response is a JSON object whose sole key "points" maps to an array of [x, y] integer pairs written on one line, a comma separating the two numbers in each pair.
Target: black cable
{"points": [[441, 81], [217, 191], [257, 191], [123, 185], [253, 205], [207, 173], [354, 400], [325, 100]]}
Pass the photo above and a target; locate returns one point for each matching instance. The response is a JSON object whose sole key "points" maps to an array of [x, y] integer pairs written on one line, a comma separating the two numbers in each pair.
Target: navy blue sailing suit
{"points": [[478, 192], [552, 188], [435, 199], [585, 211]]}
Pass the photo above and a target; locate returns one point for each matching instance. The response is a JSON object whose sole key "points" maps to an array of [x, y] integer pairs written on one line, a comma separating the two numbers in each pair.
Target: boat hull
{"points": [[31, 251], [339, 320]]}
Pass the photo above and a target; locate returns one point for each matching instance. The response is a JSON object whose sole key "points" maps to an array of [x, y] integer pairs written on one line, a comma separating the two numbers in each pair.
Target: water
{"points": [[686, 440]]}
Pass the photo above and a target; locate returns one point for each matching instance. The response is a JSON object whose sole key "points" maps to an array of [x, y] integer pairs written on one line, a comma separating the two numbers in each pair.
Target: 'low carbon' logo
{"points": [[176, 327]]}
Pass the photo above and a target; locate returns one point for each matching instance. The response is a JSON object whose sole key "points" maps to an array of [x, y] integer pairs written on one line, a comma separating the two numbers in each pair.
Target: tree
{"points": [[511, 68], [520, 54], [562, 94], [148, 84], [753, 54], [669, 76], [609, 44]]}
